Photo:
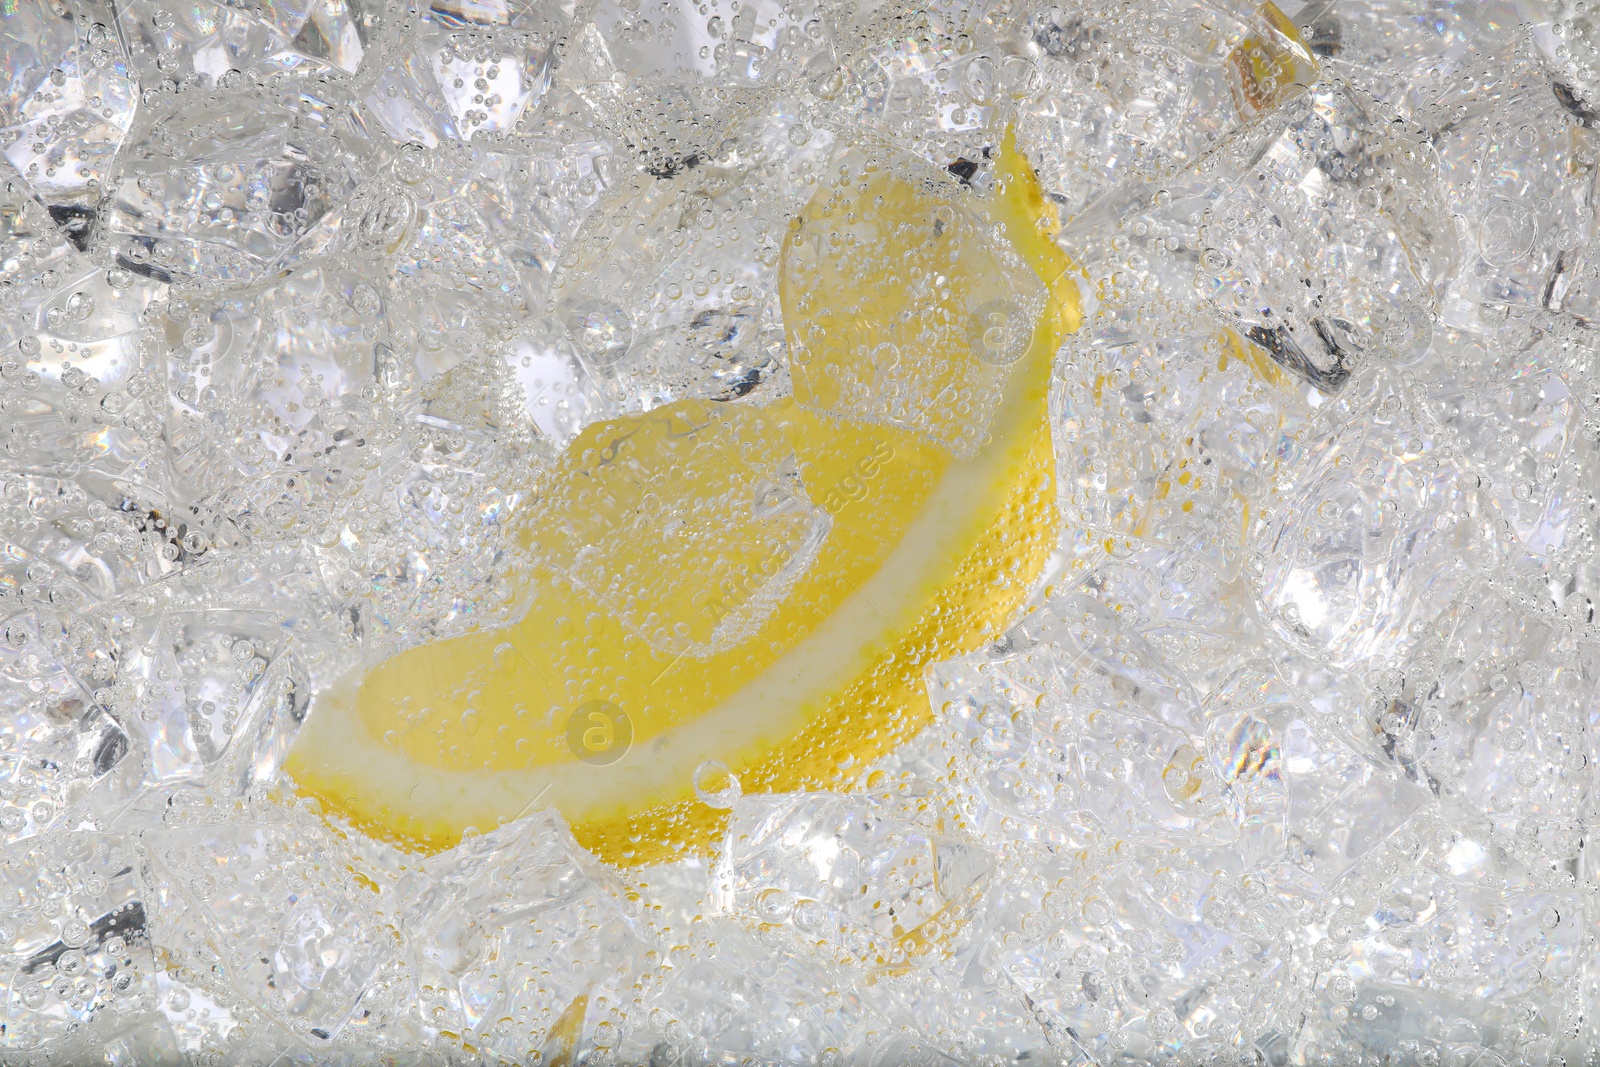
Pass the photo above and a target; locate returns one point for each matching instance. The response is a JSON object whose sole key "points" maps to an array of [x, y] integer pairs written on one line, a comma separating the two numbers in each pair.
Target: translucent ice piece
{"points": [[1376, 527], [66, 104], [534, 200], [1480, 973], [202, 680], [711, 487], [73, 938], [271, 907], [223, 192], [1170, 438], [1140, 93], [929, 347], [1174, 946], [75, 371], [1517, 167], [519, 941], [1496, 727], [56, 740], [727, 975], [1298, 787], [315, 352], [678, 295], [935, 78], [1569, 40], [1201, 621], [868, 879], [452, 290], [468, 67], [1054, 744], [673, 83], [203, 42], [1337, 244], [1404, 51], [1516, 422]]}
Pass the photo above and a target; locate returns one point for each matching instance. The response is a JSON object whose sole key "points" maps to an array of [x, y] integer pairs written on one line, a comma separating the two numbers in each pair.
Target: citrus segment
{"points": [[762, 587]]}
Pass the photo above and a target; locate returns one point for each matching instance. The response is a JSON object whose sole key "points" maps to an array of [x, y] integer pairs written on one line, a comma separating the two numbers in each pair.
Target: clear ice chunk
{"points": [[223, 192], [726, 974], [519, 942], [1170, 438], [1297, 785], [56, 739], [467, 67], [1518, 166], [1337, 244], [1375, 527], [674, 84], [1448, 957], [198, 684], [880, 882], [1171, 945], [1131, 94], [202, 44], [1403, 52], [67, 102], [668, 312], [75, 941], [269, 908], [1079, 735], [1492, 716], [1487, 402]]}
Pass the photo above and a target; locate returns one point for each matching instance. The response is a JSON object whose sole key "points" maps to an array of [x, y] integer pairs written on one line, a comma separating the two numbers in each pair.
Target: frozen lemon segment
{"points": [[759, 589], [689, 523], [902, 314]]}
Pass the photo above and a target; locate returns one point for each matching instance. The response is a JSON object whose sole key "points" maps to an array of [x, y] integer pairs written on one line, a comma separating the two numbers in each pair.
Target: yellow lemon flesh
{"points": [[760, 589]]}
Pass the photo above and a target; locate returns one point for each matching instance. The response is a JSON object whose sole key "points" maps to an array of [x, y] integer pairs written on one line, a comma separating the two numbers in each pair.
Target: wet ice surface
{"points": [[1289, 763]]}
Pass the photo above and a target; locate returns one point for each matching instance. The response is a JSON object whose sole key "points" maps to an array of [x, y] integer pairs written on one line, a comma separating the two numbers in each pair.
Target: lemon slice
{"points": [[731, 593]]}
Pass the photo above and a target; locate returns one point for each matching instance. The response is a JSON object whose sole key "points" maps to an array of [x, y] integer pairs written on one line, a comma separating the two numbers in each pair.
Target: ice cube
{"points": [[224, 190], [467, 67], [1174, 946], [1496, 715], [271, 907], [1064, 745], [520, 944], [1296, 784], [74, 937], [201, 685], [66, 107], [178, 47], [880, 882], [723, 974], [1517, 164], [1376, 526], [1171, 438], [56, 739], [674, 84], [682, 301], [1338, 245], [1514, 417], [1404, 52], [1479, 972], [1129, 95]]}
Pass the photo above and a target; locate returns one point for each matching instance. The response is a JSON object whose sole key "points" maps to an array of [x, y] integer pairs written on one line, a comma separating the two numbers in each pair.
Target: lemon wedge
{"points": [[738, 597]]}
